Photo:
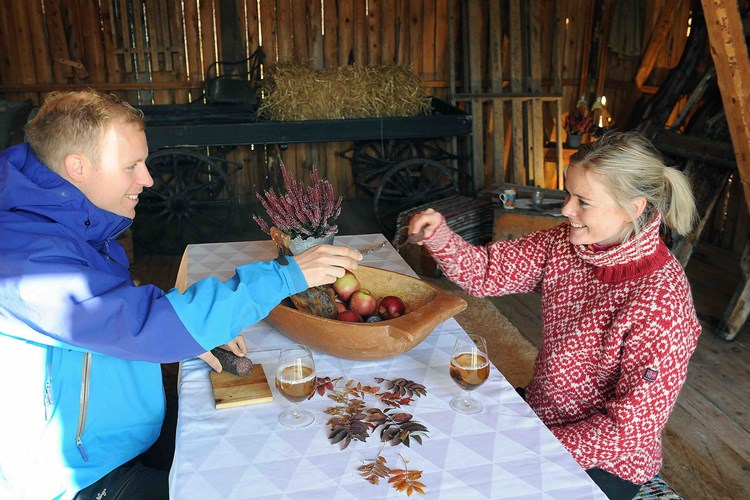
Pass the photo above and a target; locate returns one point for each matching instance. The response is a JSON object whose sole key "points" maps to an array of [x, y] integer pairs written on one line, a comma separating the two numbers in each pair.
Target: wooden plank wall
{"points": [[158, 51]]}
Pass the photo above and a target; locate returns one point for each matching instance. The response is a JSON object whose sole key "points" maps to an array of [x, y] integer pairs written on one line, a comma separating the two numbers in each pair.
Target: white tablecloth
{"points": [[503, 452]]}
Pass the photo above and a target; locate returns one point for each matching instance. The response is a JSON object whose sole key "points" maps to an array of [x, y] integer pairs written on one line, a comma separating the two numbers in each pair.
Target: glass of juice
{"points": [[469, 368], [296, 380]]}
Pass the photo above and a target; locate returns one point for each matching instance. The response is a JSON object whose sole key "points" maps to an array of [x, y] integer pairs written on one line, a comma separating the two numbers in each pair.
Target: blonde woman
{"points": [[619, 324]]}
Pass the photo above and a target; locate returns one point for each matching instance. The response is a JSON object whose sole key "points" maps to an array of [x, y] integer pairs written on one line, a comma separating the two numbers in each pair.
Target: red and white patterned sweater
{"points": [[619, 329]]}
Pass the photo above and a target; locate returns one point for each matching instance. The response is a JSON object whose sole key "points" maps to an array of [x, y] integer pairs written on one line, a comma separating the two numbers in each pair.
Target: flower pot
{"points": [[293, 246], [298, 245], [574, 140]]}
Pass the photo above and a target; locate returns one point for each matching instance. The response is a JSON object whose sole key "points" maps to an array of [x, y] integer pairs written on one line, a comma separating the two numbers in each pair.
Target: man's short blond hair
{"points": [[76, 122]]}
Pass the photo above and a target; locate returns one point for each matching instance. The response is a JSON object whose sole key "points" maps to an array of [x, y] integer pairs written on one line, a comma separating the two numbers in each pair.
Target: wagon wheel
{"points": [[370, 160], [408, 184], [191, 201]]}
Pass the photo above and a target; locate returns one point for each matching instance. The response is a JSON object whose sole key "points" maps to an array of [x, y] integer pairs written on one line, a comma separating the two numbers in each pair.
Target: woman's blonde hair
{"points": [[76, 122], [631, 167]]}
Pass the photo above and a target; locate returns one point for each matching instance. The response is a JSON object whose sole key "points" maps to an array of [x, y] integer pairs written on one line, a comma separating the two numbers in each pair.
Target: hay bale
{"points": [[297, 92]]}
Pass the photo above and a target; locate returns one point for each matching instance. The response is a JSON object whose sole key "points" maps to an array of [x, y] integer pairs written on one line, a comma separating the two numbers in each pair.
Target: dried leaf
{"points": [[343, 434], [324, 384], [375, 470], [403, 387], [375, 416], [401, 417], [407, 480], [402, 433], [394, 400], [351, 420]]}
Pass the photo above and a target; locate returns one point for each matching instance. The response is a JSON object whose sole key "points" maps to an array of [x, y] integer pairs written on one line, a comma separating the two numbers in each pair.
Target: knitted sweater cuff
{"points": [[440, 238]]}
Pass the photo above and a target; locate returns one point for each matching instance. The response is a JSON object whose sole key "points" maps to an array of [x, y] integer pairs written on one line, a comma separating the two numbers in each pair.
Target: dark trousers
{"points": [[616, 488], [146, 477]]}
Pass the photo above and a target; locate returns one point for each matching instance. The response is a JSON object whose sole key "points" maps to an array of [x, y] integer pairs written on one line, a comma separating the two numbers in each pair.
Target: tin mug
{"points": [[508, 197], [537, 198]]}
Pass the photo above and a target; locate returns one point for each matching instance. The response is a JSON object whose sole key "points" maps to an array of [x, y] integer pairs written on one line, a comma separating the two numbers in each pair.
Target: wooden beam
{"points": [[606, 27], [729, 52], [474, 11], [588, 33], [516, 86], [498, 116], [534, 56], [558, 54], [659, 37], [50, 87]]}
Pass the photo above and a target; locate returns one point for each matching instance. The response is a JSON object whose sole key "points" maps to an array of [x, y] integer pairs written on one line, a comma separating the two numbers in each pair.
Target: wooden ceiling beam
{"points": [[729, 53]]}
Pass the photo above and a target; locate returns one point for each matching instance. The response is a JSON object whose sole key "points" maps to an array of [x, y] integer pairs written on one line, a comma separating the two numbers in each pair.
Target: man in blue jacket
{"points": [[80, 344]]}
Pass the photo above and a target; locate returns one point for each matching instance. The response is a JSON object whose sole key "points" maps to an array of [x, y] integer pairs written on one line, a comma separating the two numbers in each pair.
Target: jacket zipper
{"points": [[108, 256], [85, 376], [49, 400]]}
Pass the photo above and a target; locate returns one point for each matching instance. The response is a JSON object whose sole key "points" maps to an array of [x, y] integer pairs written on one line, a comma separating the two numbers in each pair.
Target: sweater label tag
{"points": [[650, 375]]}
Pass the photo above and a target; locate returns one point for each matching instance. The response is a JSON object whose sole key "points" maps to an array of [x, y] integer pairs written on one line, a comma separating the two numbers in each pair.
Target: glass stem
{"points": [[467, 398], [295, 412]]}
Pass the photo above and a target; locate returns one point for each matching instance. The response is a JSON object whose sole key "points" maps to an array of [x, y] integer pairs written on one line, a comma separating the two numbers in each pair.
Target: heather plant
{"points": [[302, 211]]}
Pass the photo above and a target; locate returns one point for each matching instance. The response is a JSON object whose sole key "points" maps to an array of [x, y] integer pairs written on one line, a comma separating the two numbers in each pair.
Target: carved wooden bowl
{"points": [[426, 307]]}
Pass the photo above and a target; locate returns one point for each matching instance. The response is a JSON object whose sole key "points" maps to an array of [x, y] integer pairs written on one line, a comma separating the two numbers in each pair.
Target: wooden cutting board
{"points": [[232, 390]]}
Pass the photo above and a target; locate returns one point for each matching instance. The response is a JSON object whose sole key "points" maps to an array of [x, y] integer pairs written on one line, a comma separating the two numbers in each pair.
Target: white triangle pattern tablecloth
{"points": [[236, 453]]}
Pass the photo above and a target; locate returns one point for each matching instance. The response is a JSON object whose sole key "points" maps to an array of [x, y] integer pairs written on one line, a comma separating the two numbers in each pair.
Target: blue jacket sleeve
{"points": [[210, 306], [66, 304]]}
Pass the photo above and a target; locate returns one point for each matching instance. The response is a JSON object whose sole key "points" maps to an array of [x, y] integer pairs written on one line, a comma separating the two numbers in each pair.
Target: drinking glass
{"points": [[296, 380], [469, 368]]}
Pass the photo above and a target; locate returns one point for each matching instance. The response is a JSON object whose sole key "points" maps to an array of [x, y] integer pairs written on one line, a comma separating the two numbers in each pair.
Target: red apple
{"points": [[391, 307], [340, 307], [346, 285], [363, 303], [350, 316]]}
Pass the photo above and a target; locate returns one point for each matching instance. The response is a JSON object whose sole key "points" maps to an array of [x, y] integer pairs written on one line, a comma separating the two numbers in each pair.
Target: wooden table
{"points": [[510, 224], [503, 452]]}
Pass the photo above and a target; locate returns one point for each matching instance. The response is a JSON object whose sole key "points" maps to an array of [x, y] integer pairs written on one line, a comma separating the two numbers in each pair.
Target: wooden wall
{"points": [[520, 57]]}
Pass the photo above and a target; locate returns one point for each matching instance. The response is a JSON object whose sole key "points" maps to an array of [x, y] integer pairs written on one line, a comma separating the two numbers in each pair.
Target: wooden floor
{"points": [[707, 439]]}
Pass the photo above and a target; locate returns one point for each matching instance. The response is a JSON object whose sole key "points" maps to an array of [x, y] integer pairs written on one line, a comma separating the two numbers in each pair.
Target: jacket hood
{"points": [[29, 187]]}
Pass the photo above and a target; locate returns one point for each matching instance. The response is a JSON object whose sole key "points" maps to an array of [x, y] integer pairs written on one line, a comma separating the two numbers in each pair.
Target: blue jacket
{"points": [[80, 344]]}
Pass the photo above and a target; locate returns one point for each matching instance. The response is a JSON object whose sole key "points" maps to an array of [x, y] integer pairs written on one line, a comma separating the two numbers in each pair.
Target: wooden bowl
{"points": [[426, 307]]}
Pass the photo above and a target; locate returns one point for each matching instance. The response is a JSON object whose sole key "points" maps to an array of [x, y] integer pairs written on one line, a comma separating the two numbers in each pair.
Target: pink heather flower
{"points": [[302, 210]]}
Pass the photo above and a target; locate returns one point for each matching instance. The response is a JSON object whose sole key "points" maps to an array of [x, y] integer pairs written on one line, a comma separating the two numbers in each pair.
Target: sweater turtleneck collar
{"points": [[631, 259]]}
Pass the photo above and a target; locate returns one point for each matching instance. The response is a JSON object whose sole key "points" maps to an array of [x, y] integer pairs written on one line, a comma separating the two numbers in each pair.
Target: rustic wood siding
{"points": [[158, 51]]}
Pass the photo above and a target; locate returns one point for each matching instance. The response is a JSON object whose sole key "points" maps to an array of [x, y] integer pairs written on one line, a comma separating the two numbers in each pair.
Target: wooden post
{"points": [[39, 43], [208, 47], [346, 30], [583, 81], [414, 27], [58, 42], [659, 37], [739, 307], [606, 23], [374, 35], [315, 34], [192, 37], [516, 85], [268, 32], [474, 12], [729, 52], [428, 41], [360, 33], [498, 118], [534, 72], [557, 65], [331, 36], [285, 30], [388, 32], [114, 72]]}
